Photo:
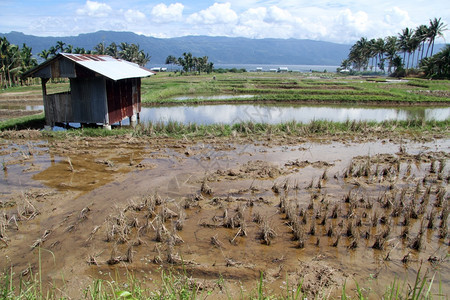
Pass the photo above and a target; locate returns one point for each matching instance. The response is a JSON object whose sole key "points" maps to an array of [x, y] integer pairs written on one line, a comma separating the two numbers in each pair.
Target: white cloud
{"points": [[219, 13], [276, 14], [132, 15], [163, 13], [398, 17], [264, 22], [253, 15], [95, 9], [357, 22]]}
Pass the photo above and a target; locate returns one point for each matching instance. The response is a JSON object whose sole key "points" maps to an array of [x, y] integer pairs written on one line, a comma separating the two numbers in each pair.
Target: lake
{"points": [[265, 67]]}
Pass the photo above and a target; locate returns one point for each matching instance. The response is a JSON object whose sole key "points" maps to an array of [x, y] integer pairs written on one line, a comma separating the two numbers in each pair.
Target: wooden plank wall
{"points": [[58, 108]]}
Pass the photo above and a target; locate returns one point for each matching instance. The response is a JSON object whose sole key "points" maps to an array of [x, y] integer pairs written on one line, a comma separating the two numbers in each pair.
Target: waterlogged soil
{"points": [[14, 105], [316, 211]]}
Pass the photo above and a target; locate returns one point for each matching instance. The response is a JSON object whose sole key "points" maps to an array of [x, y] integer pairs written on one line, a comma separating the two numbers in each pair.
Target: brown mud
{"points": [[321, 211]]}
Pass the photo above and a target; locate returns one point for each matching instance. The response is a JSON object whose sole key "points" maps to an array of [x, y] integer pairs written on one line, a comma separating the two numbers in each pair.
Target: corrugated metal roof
{"points": [[108, 66], [115, 69]]}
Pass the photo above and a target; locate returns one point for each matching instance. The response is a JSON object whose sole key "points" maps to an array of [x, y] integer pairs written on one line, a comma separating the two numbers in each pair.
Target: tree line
{"points": [[411, 49], [14, 60], [191, 63], [125, 51]]}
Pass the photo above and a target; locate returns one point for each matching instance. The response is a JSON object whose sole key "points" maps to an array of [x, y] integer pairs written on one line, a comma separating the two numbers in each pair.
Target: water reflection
{"points": [[229, 114], [22, 107]]}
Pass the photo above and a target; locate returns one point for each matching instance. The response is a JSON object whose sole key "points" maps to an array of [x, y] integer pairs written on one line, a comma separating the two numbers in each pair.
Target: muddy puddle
{"points": [[319, 212]]}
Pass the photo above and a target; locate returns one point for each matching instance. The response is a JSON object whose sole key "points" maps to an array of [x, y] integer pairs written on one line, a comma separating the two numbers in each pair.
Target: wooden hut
{"points": [[103, 89]]}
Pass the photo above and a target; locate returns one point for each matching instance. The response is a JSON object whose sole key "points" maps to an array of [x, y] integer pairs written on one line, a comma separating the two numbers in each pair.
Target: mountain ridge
{"points": [[220, 50]]}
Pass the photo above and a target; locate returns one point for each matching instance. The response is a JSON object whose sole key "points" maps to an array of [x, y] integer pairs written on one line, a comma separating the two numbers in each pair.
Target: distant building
{"points": [[283, 69], [103, 89], [158, 69]]}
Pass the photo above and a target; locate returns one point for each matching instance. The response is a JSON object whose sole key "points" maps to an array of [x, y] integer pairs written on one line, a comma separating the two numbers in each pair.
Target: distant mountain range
{"points": [[220, 50]]}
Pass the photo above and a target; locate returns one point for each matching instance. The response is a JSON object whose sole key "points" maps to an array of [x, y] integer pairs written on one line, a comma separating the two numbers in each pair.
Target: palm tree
{"points": [[53, 51], [404, 43], [360, 53], [421, 34], [68, 49], [79, 50], [27, 61], [100, 49], [413, 44], [378, 51], [438, 65], [372, 52], [60, 46], [435, 30], [13, 62], [112, 50], [44, 54], [391, 49], [143, 58]]}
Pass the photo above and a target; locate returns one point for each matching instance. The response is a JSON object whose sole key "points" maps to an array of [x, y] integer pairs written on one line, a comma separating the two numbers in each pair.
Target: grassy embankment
{"points": [[181, 286]]}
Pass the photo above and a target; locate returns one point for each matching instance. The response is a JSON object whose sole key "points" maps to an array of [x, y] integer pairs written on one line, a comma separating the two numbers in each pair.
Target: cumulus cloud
{"points": [[253, 14], [163, 13], [132, 15], [397, 16], [277, 15], [350, 21], [218, 13], [95, 9]]}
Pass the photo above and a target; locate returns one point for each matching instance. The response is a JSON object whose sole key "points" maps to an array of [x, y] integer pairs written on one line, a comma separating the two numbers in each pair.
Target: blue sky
{"points": [[342, 21]]}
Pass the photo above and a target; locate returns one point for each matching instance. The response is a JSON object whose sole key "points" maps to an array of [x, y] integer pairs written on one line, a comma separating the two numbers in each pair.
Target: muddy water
{"points": [[86, 190]]}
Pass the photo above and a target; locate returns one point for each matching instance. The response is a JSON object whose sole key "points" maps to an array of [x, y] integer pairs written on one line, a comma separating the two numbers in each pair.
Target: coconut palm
{"points": [[438, 65], [378, 49], [390, 49], [413, 45], [68, 49], [14, 62], [435, 30], [100, 49], [404, 43], [79, 50], [421, 34], [360, 53], [45, 54], [112, 50], [60, 46]]}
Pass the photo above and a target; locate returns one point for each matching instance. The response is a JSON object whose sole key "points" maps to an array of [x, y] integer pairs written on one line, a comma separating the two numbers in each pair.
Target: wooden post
{"points": [[49, 125], [44, 87]]}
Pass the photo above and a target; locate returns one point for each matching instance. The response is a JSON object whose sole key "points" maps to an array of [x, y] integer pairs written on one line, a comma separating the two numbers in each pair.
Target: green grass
{"points": [[180, 286], [27, 122], [179, 130], [35, 88], [290, 88]]}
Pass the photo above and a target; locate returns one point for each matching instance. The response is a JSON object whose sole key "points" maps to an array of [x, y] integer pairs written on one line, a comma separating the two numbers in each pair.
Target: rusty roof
{"points": [[115, 69]]}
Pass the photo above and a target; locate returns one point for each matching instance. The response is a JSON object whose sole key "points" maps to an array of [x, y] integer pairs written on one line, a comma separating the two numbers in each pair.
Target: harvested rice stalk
{"points": [[41, 240], [267, 233], [83, 213], [205, 189]]}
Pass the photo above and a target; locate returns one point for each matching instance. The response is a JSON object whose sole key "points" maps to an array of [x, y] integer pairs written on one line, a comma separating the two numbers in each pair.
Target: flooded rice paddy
{"points": [[274, 114], [321, 211]]}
